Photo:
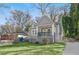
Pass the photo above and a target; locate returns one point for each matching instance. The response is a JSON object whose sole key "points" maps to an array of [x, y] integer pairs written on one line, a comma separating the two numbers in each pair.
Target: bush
{"points": [[45, 40], [14, 42], [37, 42]]}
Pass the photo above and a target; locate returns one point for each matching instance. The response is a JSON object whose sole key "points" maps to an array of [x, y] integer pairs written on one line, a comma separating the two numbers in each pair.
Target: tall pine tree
{"points": [[71, 28], [73, 14]]}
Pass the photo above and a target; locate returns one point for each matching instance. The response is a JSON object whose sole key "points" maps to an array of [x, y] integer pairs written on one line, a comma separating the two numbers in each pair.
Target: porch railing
{"points": [[44, 34]]}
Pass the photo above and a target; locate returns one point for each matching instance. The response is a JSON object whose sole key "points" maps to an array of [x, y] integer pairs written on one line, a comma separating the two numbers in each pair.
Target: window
{"points": [[35, 31]]}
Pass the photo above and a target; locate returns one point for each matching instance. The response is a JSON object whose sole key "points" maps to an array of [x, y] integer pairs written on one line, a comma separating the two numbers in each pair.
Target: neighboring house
{"points": [[34, 32], [45, 28], [12, 37], [7, 38]]}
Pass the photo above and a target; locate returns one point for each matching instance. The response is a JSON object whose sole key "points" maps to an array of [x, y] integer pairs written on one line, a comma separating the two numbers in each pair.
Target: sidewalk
{"points": [[71, 48]]}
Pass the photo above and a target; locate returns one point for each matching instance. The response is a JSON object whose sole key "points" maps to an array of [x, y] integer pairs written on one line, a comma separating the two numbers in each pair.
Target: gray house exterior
{"points": [[46, 29]]}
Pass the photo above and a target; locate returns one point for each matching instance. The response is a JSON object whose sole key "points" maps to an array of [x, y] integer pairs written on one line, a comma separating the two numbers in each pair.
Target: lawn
{"points": [[26, 48]]}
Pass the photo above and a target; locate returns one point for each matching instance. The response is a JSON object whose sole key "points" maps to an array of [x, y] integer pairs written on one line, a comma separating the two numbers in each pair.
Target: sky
{"points": [[5, 12]]}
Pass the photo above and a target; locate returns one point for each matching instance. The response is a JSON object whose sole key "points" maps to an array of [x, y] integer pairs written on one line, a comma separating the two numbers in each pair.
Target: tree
{"points": [[65, 9], [74, 15], [20, 19], [67, 26], [7, 28], [74, 23], [78, 18], [53, 11], [68, 22], [42, 7]]}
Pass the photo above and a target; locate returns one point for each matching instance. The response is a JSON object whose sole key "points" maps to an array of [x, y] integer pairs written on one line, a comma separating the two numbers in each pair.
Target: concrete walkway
{"points": [[71, 48]]}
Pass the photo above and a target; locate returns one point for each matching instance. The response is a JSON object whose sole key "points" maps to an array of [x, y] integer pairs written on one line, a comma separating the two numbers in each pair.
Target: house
{"points": [[7, 38], [47, 29], [12, 37]]}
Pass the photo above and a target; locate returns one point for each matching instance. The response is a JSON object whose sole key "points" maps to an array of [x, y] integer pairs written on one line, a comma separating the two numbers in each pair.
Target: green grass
{"points": [[26, 48]]}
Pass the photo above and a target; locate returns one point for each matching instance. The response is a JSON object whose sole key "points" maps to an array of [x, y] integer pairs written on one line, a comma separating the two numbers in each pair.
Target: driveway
{"points": [[71, 48]]}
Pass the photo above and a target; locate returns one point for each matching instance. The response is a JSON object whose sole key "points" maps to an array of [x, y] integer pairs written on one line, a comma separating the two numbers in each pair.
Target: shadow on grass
{"points": [[21, 44], [34, 49]]}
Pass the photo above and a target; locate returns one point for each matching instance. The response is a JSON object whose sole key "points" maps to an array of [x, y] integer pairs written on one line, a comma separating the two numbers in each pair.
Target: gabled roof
{"points": [[44, 20]]}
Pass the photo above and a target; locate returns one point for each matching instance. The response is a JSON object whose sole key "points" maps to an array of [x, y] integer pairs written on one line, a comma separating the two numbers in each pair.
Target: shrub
{"points": [[37, 42], [45, 40]]}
